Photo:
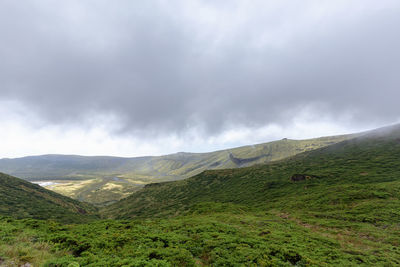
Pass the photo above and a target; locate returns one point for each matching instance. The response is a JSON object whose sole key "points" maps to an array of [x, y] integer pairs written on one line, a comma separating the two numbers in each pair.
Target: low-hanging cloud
{"points": [[169, 66]]}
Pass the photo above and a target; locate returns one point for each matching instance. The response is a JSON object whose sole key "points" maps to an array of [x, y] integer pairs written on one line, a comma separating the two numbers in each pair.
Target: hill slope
{"points": [[335, 206], [22, 199], [350, 172], [102, 179], [341, 202]]}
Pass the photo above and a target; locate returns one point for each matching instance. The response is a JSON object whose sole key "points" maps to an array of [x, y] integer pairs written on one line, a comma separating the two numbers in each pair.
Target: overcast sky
{"points": [[134, 78]]}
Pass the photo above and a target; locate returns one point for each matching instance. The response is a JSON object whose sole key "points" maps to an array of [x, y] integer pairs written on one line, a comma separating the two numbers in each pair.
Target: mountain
{"points": [[107, 179], [339, 180], [22, 199]]}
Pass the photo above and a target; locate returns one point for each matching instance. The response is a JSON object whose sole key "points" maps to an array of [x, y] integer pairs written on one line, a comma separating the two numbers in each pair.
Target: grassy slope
{"points": [[353, 199], [91, 179], [21, 199], [359, 162], [184, 165], [347, 215]]}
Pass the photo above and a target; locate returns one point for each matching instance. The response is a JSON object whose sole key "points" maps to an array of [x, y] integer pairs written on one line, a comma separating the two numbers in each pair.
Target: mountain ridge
{"points": [[177, 196], [104, 179]]}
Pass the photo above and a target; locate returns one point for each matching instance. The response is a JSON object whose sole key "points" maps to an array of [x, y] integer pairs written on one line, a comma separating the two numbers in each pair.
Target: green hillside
{"points": [[350, 193], [102, 180], [355, 163], [21, 199], [334, 206]]}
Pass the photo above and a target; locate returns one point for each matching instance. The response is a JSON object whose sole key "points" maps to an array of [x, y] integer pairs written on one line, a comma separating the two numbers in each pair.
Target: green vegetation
{"points": [[345, 212], [22, 199], [104, 180], [213, 234]]}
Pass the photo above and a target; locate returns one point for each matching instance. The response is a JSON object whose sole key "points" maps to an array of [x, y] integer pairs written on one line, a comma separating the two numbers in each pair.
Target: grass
{"points": [[99, 192]]}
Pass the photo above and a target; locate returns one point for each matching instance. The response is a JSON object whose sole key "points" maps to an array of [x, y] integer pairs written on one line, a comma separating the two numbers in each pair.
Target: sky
{"points": [[134, 78]]}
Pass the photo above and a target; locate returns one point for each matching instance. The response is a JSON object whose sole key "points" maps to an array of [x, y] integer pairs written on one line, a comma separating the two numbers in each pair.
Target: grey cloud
{"points": [[157, 67]]}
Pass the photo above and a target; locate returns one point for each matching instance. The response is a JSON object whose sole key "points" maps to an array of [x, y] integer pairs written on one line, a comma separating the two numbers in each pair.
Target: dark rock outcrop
{"points": [[151, 185], [241, 162], [301, 177]]}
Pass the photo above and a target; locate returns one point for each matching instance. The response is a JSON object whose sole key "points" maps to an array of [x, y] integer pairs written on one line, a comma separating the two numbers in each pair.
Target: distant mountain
{"points": [[60, 166], [22, 199], [353, 174], [102, 179], [168, 167]]}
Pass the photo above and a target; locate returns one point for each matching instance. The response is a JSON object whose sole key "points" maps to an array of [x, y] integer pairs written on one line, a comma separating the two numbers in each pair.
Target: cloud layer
{"points": [[168, 67]]}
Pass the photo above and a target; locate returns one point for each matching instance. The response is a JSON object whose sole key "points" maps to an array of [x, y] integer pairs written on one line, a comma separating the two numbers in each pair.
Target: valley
{"points": [[103, 180], [338, 205]]}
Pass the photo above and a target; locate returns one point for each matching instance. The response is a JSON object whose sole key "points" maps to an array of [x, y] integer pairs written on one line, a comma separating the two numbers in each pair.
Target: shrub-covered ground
{"points": [[210, 234]]}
